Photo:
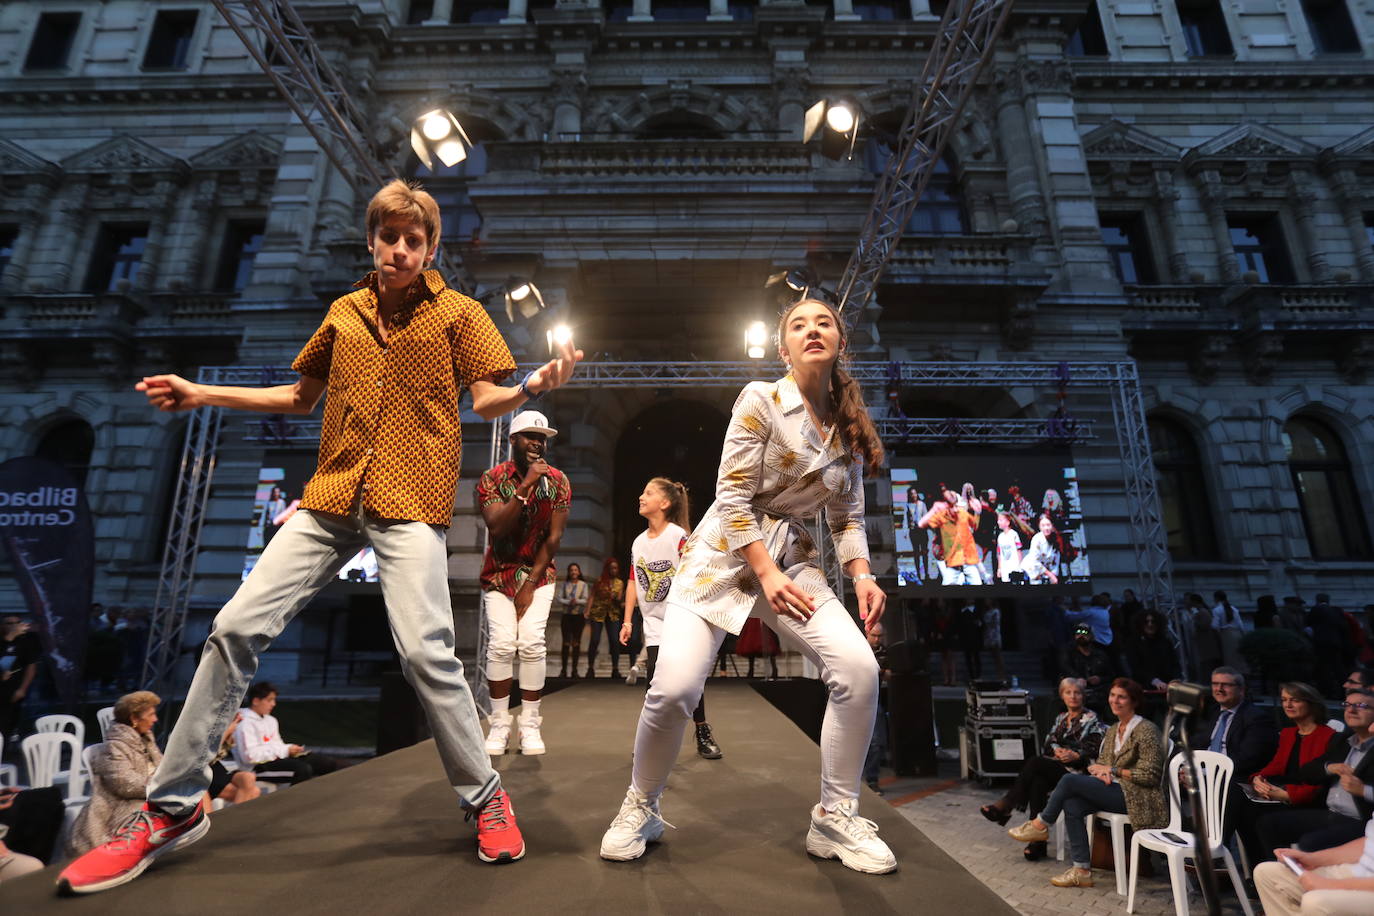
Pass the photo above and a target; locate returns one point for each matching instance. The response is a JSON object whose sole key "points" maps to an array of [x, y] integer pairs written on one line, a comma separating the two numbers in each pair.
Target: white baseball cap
{"points": [[532, 421]]}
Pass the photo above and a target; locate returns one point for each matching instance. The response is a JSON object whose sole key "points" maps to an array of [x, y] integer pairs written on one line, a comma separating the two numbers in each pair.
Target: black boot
{"points": [[706, 743]]}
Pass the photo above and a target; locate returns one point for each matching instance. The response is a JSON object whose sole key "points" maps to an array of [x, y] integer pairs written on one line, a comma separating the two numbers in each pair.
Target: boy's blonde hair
{"points": [[408, 200]]}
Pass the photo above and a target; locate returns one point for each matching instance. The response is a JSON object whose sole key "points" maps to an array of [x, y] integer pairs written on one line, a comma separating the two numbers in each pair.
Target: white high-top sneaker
{"points": [[637, 825], [499, 735], [842, 834], [531, 742]]}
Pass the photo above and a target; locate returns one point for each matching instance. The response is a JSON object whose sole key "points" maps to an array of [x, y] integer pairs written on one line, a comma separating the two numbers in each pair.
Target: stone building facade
{"points": [[1187, 185]]}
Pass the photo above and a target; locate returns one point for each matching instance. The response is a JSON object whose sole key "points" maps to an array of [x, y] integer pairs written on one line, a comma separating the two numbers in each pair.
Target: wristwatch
{"points": [[859, 577]]}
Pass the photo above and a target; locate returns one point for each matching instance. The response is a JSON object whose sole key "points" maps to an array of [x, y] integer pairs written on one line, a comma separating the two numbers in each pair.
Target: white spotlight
{"points": [[520, 292], [754, 339], [559, 336], [435, 126], [840, 118], [451, 152]]}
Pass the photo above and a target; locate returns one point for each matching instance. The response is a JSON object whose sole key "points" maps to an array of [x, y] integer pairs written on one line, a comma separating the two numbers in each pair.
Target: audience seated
{"points": [[1347, 768], [1089, 662], [1125, 780], [259, 744], [1235, 726], [1338, 881], [1070, 746], [1150, 652], [239, 786], [1279, 784], [120, 770]]}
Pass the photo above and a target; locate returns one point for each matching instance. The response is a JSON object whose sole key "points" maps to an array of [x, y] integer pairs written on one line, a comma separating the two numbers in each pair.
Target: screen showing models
{"points": [[989, 522], [281, 481]]}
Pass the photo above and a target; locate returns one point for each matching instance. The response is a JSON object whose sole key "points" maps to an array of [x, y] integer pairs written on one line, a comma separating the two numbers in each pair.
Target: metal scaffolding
{"points": [[1118, 380]]}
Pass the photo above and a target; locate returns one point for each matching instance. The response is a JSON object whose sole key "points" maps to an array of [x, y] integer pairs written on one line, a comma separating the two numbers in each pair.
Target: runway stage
{"points": [[387, 836]]}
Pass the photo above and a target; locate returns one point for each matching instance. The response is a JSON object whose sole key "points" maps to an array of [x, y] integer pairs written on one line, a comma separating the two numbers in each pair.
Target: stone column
{"points": [[442, 13], [720, 11], [920, 9], [515, 12], [1023, 180], [1167, 211], [1303, 196], [36, 197], [65, 235], [188, 259], [1345, 185], [569, 95], [844, 11], [1214, 204], [641, 12]]}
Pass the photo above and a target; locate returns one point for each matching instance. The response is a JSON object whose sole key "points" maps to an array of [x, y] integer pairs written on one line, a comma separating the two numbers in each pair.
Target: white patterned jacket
{"points": [[775, 475]]}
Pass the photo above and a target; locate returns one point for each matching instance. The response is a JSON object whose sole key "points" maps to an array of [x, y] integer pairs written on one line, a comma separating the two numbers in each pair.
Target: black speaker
{"points": [[911, 723]]}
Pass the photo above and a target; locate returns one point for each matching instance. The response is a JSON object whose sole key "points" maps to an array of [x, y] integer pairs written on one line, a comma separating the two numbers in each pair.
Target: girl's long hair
{"points": [[853, 423], [678, 502], [603, 582]]}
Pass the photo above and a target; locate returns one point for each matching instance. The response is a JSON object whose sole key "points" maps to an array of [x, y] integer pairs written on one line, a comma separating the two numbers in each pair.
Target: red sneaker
{"points": [[143, 837], [498, 836]]}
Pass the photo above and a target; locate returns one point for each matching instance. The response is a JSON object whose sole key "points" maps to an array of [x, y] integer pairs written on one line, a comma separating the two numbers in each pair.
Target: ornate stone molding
{"points": [[1115, 140], [1259, 354], [1355, 357], [1206, 354]]}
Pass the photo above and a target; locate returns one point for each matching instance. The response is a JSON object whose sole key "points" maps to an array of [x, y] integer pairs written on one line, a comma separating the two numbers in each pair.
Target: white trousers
{"points": [[508, 638], [1282, 895], [686, 655]]}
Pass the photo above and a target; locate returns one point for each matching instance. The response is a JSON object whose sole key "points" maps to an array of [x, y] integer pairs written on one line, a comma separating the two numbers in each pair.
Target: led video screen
{"points": [[989, 522]]}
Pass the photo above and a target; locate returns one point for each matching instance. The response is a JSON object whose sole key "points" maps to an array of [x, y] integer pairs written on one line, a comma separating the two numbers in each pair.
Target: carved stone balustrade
{"points": [[652, 160]]}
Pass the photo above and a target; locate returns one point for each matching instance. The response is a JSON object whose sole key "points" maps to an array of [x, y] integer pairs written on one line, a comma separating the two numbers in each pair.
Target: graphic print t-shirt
{"points": [[1008, 553], [655, 561]]}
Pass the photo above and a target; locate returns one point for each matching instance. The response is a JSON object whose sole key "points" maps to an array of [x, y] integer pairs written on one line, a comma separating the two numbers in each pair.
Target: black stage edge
{"points": [[387, 837]]}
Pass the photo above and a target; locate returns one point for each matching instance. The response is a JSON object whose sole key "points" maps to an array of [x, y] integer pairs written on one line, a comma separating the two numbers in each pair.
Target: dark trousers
{"points": [[698, 714], [877, 747], [9, 713], [612, 640], [1308, 829], [296, 769], [1034, 783], [35, 820], [571, 625]]}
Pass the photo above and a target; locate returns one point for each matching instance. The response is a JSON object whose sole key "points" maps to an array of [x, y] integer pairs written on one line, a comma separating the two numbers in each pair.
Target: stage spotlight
{"points": [[841, 118], [754, 339], [522, 298], [437, 134], [558, 336]]}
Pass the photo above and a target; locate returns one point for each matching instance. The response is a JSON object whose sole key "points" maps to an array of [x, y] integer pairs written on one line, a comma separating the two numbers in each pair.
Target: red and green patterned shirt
{"points": [[508, 561]]}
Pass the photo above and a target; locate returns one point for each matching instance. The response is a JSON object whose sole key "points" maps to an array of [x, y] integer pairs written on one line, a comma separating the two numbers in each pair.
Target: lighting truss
{"points": [[961, 48]]}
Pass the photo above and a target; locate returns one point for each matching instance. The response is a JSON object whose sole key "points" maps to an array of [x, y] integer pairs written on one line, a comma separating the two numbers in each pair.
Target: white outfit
{"points": [[1008, 554], [655, 562], [258, 739], [509, 638], [775, 473], [1041, 560]]}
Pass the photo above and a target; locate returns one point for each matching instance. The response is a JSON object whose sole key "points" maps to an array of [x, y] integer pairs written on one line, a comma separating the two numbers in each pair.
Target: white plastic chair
{"points": [[43, 755], [1117, 823], [59, 722], [105, 717], [1214, 783], [82, 783], [9, 773]]}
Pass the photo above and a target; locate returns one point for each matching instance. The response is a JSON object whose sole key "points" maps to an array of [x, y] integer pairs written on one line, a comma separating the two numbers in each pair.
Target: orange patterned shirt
{"points": [[392, 429]]}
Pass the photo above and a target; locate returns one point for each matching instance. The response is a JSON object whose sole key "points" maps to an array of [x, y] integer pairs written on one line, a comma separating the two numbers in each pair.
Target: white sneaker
{"points": [[637, 825], [499, 735], [635, 674], [842, 834], [531, 742]]}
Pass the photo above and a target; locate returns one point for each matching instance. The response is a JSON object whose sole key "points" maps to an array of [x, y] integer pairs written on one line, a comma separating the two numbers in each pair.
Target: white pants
{"points": [[1282, 895], [961, 575], [508, 638], [686, 656]]}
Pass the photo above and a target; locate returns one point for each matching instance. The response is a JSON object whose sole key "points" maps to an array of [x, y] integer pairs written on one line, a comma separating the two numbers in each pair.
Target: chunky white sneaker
{"points": [[499, 735], [531, 742], [637, 825], [842, 834], [635, 674]]}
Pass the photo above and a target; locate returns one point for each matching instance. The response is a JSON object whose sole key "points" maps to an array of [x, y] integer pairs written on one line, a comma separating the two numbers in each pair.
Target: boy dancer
{"points": [[396, 355], [525, 503]]}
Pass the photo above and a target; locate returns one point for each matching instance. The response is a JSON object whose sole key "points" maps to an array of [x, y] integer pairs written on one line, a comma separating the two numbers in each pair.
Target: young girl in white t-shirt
{"points": [[1008, 548], [654, 558]]}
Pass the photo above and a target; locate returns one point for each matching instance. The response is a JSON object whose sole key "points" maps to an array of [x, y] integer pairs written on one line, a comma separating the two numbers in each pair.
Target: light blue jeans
{"points": [[303, 558]]}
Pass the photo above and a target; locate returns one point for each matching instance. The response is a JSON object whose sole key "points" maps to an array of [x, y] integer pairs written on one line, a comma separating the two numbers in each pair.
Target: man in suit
{"points": [[1236, 727], [1348, 767]]}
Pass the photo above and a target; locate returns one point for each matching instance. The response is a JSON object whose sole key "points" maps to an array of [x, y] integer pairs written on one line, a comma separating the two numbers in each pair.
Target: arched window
{"points": [[1182, 491], [1331, 510], [69, 443], [941, 208]]}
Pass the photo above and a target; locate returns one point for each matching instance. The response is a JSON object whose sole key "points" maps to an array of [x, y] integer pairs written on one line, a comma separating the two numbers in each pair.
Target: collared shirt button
{"points": [[379, 383], [368, 452]]}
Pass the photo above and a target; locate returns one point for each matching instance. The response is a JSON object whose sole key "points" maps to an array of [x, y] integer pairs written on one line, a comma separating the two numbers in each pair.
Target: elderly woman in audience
{"points": [[1125, 780], [1069, 747], [1278, 786], [120, 771]]}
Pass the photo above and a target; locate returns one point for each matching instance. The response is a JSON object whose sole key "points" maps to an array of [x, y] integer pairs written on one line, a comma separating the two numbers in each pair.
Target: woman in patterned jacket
{"points": [[793, 448]]}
